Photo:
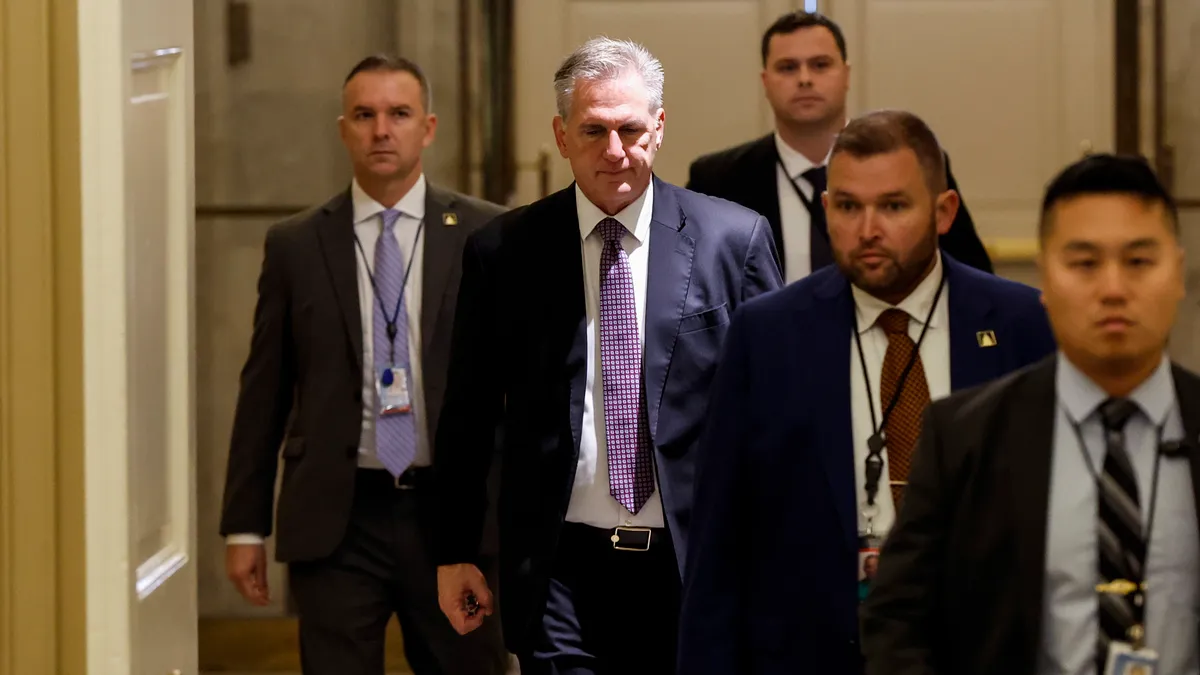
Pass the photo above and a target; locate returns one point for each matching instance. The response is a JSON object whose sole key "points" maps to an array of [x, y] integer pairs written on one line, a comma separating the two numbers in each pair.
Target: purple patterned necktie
{"points": [[630, 468], [395, 435]]}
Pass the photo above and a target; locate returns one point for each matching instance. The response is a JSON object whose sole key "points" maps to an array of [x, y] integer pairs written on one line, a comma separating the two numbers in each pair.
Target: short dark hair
{"points": [[884, 131], [391, 63], [1108, 174], [793, 21]]}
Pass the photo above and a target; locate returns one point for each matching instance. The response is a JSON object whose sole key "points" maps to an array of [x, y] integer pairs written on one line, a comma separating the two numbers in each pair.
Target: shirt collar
{"points": [[916, 305], [793, 161], [635, 217], [411, 204], [1081, 396]]}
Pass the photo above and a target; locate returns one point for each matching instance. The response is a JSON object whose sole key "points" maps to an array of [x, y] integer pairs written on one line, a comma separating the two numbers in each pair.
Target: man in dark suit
{"points": [[1050, 524], [590, 324], [348, 360], [782, 175], [820, 392]]}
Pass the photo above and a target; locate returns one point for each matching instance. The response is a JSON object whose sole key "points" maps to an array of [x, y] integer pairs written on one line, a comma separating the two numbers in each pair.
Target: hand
{"points": [[246, 567], [455, 583]]}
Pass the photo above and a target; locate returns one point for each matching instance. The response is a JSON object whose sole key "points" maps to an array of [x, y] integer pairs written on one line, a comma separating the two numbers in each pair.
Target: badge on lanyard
{"points": [[869, 544], [392, 385], [1124, 659], [868, 564]]}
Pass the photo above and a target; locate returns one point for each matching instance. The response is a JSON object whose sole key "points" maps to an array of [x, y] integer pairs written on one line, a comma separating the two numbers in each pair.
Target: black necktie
{"points": [[1122, 545], [818, 237]]}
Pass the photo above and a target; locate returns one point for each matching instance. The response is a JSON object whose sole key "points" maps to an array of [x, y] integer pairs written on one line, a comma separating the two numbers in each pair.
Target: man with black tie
{"points": [[782, 175], [820, 392], [590, 325], [1050, 523], [348, 359]]}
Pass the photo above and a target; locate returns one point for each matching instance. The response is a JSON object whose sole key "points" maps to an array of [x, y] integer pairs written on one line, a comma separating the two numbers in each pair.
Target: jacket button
{"points": [[352, 451]]}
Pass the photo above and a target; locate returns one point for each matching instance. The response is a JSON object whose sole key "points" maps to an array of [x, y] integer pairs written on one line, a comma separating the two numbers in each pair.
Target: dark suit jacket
{"points": [[961, 579], [771, 579], [746, 175], [303, 377], [519, 357]]}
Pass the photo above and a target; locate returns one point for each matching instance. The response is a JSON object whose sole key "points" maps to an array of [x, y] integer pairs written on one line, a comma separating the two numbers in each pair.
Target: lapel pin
{"points": [[986, 338], [449, 219]]}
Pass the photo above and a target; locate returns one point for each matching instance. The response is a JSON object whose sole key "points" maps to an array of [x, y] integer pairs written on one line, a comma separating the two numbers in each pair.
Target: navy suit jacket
{"points": [[518, 360], [771, 579]]}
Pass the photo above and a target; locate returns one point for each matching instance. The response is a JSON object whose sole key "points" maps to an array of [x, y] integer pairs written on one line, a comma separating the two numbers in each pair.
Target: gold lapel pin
{"points": [[986, 338], [449, 219]]}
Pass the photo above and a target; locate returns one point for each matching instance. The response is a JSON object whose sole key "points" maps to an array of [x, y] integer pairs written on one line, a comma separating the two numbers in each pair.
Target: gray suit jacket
{"points": [[301, 386]]}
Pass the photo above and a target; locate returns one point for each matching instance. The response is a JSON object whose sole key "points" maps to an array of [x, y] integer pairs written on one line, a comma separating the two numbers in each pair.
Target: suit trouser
{"points": [[382, 567], [608, 611]]}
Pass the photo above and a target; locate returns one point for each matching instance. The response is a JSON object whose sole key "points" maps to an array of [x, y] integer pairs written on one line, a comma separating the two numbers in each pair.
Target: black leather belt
{"points": [[622, 538], [413, 478]]}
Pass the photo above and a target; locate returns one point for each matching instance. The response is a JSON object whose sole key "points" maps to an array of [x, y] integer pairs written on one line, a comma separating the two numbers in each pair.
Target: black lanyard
{"points": [[1139, 597], [391, 321], [876, 442], [808, 204]]}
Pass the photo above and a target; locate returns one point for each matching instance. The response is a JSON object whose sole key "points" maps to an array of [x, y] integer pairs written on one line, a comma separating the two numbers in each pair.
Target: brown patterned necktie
{"points": [[903, 426]]}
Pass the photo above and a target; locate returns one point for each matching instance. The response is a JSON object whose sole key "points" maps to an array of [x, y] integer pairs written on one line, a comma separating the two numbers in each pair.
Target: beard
{"points": [[896, 275]]}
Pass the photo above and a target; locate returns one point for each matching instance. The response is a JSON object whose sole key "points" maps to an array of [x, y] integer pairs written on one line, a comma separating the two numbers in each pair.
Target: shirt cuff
{"points": [[243, 539]]}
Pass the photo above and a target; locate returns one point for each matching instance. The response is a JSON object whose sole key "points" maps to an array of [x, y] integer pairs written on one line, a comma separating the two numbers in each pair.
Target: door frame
{"points": [[42, 561]]}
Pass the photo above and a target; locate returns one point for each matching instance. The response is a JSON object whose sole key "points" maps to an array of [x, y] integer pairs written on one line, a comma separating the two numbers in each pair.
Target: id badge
{"points": [[868, 563], [1123, 659], [392, 385]]}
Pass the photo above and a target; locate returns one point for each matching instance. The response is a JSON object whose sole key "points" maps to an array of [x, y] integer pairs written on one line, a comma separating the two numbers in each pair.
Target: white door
{"points": [[135, 61], [710, 53], [1013, 90]]}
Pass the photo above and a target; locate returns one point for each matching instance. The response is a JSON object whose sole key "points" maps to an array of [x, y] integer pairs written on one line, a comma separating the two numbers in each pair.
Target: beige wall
{"points": [[1181, 120], [42, 600]]}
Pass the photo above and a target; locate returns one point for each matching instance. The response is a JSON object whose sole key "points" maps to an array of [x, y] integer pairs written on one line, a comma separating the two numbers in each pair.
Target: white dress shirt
{"points": [[935, 357], [793, 215], [368, 224], [591, 503], [1070, 604]]}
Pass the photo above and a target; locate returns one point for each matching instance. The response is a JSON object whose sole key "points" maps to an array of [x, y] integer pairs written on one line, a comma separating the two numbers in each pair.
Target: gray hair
{"points": [[604, 58]]}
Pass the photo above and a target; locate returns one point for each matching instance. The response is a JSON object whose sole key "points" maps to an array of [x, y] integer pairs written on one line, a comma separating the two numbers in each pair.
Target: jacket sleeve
{"points": [[264, 402]]}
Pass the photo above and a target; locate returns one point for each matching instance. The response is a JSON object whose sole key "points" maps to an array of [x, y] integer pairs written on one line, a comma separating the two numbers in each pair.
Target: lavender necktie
{"points": [[630, 471], [395, 435]]}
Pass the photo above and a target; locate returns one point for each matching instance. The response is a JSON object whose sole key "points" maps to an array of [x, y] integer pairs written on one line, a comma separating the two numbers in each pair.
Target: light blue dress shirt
{"points": [[1069, 622]]}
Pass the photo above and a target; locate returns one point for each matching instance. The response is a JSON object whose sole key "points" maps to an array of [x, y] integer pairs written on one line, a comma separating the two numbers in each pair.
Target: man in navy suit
{"points": [[589, 328], [817, 406]]}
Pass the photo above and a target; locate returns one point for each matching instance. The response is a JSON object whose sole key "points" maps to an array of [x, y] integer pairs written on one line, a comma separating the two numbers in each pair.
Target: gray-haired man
{"points": [[590, 326]]}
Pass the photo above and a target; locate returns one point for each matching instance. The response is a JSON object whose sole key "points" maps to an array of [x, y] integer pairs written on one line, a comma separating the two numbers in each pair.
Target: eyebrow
{"points": [[1081, 246], [895, 194]]}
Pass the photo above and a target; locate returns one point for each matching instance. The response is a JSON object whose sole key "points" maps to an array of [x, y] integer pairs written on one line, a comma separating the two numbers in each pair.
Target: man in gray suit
{"points": [[347, 367]]}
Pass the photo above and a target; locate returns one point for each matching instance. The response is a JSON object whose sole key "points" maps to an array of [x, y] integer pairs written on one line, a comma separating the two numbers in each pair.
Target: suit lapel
{"points": [[762, 188], [668, 276], [442, 244], [1187, 392], [336, 236], [561, 277], [833, 437], [970, 314], [1025, 447]]}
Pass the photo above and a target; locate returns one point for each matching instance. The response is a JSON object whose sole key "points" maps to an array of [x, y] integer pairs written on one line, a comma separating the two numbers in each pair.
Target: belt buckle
{"points": [[402, 486], [616, 538]]}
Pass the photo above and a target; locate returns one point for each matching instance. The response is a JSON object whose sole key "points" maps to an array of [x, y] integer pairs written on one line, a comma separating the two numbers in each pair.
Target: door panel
{"points": [[137, 173], [1014, 89]]}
